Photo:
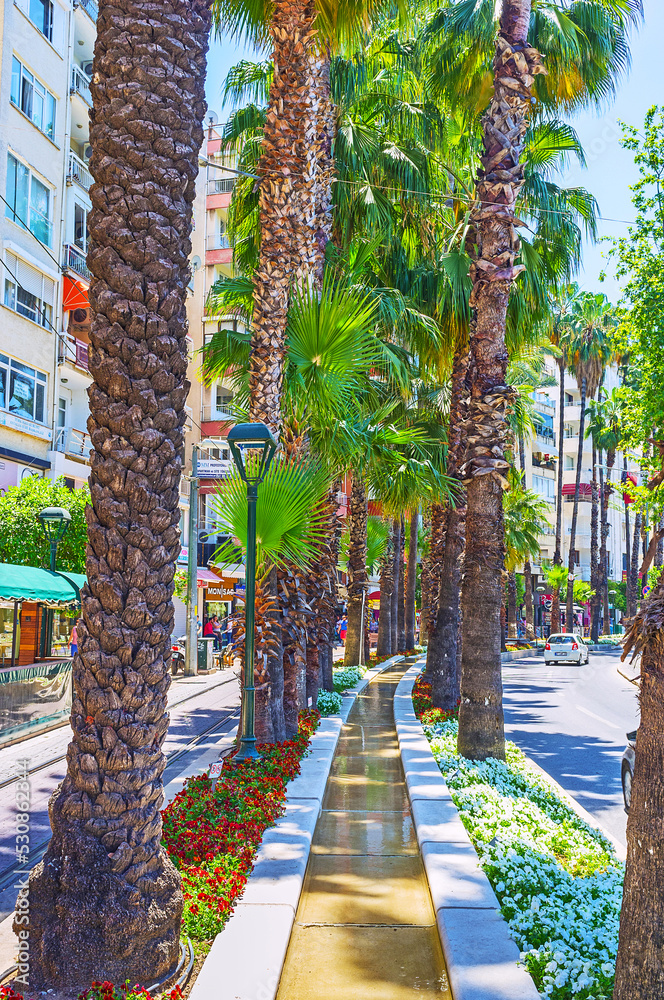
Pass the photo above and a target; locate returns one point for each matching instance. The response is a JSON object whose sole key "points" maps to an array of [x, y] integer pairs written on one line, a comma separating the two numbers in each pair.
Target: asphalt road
{"points": [[573, 720]]}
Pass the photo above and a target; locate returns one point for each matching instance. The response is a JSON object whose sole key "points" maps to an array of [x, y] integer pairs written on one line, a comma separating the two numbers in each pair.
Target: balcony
{"points": [[218, 241], [221, 411], [89, 7], [221, 185], [75, 260], [78, 173], [72, 351], [72, 442], [80, 84]]}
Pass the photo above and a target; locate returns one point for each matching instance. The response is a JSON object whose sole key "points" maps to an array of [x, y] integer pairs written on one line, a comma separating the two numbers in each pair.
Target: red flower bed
{"points": [[212, 833], [105, 991], [423, 706]]}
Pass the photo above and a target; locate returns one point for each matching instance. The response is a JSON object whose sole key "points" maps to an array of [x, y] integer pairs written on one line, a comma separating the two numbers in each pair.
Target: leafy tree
{"points": [[525, 514], [556, 577], [22, 539], [640, 262]]}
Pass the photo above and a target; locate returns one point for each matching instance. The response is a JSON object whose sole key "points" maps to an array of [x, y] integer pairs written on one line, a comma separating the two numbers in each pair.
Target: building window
{"points": [[22, 389], [81, 227], [29, 201], [545, 487], [569, 462], [577, 558], [40, 13], [28, 292], [32, 98]]}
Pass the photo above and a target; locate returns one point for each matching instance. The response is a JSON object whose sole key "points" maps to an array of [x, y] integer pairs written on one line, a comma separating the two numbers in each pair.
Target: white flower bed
{"points": [[558, 879]]}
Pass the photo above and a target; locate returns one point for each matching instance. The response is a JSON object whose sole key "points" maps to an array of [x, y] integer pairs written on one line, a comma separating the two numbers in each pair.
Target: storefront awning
{"points": [[28, 583], [206, 576]]}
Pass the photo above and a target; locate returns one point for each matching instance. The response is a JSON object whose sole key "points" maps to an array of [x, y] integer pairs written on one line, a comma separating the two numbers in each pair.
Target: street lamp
{"points": [[54, 522], [252, 447]]}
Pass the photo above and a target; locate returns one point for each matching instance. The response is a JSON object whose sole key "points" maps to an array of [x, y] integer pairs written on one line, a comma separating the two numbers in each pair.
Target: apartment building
{"points": [[544, 453]]}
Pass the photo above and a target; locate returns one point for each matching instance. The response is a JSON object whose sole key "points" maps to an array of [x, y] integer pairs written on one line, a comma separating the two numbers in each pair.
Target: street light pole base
{"points": [[247, 750]]}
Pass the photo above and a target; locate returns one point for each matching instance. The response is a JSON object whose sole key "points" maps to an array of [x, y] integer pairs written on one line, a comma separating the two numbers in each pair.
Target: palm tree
{"points": [[105, 903], [556, 577], [411, 578], [605, 428], [358, 513], [525, 513], [562, 306], [588, 347]]}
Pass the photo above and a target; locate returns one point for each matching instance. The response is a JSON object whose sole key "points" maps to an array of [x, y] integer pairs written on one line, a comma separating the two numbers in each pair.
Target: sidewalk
{"points": [[365, 926]]}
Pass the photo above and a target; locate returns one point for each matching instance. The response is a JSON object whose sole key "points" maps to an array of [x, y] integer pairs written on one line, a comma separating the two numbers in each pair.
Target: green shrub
{"points": [[347, 678], [329, 702]]}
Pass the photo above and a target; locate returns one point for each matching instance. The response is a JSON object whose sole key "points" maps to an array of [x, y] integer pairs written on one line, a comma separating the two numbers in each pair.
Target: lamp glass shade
{"points": [[54, 521], [252, 447]]}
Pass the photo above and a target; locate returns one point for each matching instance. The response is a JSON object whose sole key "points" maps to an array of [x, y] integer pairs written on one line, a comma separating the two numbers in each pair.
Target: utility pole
{"points": [[191, 643]]}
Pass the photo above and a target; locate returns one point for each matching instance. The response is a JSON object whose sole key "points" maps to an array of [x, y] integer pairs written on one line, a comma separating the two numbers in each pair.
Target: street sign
{"points": [[645, 591], [211, 468]]}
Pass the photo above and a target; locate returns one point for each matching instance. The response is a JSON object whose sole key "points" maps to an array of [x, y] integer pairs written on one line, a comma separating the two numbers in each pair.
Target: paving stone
{"points": [[437, 821], [455, 877]]}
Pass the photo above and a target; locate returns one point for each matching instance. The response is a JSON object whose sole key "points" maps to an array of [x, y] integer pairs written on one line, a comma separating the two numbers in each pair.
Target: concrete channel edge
{"points": [[236, 968], [482, 958]]}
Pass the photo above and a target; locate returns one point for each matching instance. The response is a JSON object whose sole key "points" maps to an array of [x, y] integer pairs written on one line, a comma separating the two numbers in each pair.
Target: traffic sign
{"points": [[645, 591]]}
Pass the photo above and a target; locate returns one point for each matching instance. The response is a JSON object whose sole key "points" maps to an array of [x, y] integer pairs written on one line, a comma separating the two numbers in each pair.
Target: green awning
{"points": [[27, 583]]}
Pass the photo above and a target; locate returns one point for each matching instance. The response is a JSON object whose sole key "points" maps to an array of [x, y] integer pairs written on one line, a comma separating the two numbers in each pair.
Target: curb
{"points": [[482, 958], [246, 958]]}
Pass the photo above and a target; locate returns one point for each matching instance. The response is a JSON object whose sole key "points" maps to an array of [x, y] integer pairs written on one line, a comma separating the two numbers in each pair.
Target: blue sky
{"points": [[610, 169]]}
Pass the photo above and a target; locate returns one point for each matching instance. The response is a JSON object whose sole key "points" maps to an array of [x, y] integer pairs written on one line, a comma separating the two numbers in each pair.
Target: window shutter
{"points": [[59, 25], [28, 277]]}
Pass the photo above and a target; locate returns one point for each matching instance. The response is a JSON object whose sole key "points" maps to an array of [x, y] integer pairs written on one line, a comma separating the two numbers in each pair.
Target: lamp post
{"points": [[252, 447], [612, 606], [54, 522]]}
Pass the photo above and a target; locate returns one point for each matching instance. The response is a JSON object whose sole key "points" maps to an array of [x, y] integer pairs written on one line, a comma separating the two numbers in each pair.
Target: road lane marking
{"points": [[598, 718]]}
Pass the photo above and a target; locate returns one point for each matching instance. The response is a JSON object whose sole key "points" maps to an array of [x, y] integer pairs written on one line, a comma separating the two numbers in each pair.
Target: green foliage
{"points": [[346, 678], [525, 514], [180, 584], [329, 702], [289, 519], [556, 577], [582, 592], [22, 539]]}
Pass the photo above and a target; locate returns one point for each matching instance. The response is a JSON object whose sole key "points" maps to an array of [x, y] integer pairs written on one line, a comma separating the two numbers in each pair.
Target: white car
{"points": [[565, 646]]}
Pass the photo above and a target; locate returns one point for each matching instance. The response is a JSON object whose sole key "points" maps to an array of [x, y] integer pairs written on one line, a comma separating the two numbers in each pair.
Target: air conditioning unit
{"points": [[87, 69], [87, 152]]}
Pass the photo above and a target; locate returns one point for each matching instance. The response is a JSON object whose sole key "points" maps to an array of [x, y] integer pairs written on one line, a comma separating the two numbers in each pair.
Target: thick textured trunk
{"points": [[634, 568], [555, 611], [436, 557], [595, 600], [603, 575], [629, 610], [411, 579], [322, 594], [105, 903], [287, 201], [557, 556], [401, 593], [659, 552], [294, 608], [425, 581], [528, 598], [569, 608], [511, 606], [358, 512], [384, 645], [443, 650], [396, 555], [481, 726], [640, 965]]}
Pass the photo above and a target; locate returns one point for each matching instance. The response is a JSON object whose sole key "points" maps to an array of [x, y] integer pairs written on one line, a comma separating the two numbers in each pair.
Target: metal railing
{"points": [[80, 84], [221, 185], [90, 8], [211, 411], [75, 259], [218, 241], [72, 351], [70, 441], [79, 172]]}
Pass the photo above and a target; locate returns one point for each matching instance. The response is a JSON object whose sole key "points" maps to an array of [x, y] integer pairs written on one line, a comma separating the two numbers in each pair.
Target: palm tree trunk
{"points": [[401, 593], [396, 555], [530, 611], [425, 582], [603, 575], [639, 967], [358, 512], [555, 611], [411, 579], [436, 557], [569, 610], [443, 649], [595, 600], [629, 612], [557, 556], [659, 552], [481, 725], [105, 903], [384, 644], [634, 568], [511, 606]]}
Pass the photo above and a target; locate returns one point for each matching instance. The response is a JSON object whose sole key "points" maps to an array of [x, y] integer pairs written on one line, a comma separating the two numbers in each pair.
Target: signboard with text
{"points": [[213, 468]]}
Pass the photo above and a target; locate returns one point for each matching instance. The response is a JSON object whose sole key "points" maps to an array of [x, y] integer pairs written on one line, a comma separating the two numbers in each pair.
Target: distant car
{"points": [[565, 646], [627, 769]]}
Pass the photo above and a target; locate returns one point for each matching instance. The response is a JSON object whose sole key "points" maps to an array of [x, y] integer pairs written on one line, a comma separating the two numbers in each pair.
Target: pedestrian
{"points": [[208, 630], [343, 628], [73, 638]]}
